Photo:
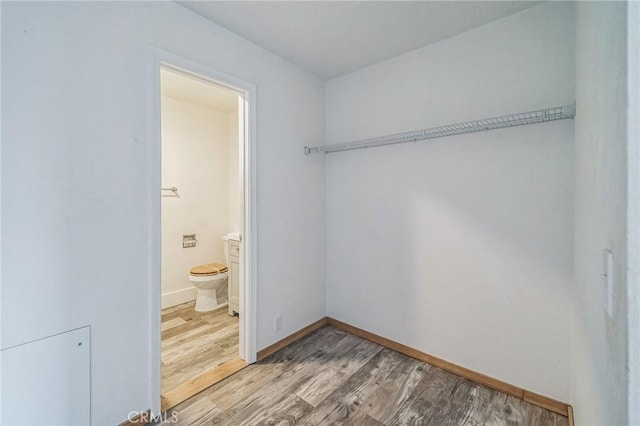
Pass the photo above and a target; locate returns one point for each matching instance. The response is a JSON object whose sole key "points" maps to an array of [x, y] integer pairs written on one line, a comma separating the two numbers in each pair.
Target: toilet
{"points": [[208, 278]]}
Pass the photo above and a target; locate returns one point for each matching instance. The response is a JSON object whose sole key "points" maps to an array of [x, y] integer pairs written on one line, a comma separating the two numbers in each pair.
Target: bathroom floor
{"points": [[195, 342]]}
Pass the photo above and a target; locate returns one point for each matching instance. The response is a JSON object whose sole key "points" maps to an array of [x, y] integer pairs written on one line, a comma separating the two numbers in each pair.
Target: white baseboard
{"points": [[179, 296]]}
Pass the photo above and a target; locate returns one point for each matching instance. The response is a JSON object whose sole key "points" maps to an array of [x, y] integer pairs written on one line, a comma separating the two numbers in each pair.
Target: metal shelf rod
{"points": [[511, 120]]}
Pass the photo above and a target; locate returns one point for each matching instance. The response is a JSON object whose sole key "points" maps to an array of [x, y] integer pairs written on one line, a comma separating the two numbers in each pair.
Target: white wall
{"points": [[460, 247], [1, 133], [76, 185], [235, 194], [633, 208], [196, 144], [599, 376]]}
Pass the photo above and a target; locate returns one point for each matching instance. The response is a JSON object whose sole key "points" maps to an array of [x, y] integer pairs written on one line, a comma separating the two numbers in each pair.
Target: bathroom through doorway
{"points": [[202, 251]]}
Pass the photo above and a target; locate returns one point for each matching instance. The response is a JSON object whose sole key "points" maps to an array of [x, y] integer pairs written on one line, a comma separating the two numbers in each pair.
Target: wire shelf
{"points": [[512, 120]]}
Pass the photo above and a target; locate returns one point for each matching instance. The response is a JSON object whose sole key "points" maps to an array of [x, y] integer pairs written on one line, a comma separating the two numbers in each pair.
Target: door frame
{"points": [[633, 210], [159, 58]]}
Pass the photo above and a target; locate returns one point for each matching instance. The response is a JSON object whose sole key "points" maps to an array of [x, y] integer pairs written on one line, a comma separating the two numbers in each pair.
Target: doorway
{"points": [[203, 222]]}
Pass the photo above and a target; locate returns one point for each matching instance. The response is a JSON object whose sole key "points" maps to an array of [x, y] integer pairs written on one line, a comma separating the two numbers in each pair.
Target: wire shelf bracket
{"points": [[511, 120]]}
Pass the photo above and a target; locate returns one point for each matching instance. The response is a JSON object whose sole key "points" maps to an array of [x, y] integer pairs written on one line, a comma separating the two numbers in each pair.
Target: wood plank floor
{"points": [[333, 377], [195, 342]]}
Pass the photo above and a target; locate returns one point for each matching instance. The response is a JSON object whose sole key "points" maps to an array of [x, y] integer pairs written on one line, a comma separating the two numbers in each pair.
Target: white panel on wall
{"points": [[47, 382]]}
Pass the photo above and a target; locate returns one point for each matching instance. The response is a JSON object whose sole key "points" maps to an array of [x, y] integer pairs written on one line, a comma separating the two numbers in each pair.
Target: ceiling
{"points": [[334, 38], [190, 89]]}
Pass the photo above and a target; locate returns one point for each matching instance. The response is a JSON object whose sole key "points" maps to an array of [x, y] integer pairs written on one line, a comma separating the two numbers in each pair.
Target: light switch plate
{"points": [[277, 323], [609, 279]]}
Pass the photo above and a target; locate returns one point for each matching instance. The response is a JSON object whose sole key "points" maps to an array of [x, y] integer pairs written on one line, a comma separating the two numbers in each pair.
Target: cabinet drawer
{"points": [[234, 250]]}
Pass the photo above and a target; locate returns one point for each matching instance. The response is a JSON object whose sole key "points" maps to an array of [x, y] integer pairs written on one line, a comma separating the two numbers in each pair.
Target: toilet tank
{"points": [[225, 241]]}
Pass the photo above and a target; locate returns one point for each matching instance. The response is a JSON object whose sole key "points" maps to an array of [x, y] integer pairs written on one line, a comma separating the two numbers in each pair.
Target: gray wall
{"points": [[599, 376]]}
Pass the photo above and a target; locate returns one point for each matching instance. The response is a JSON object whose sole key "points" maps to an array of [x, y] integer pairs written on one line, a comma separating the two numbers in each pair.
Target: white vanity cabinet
{"points": [[234, 277]]}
